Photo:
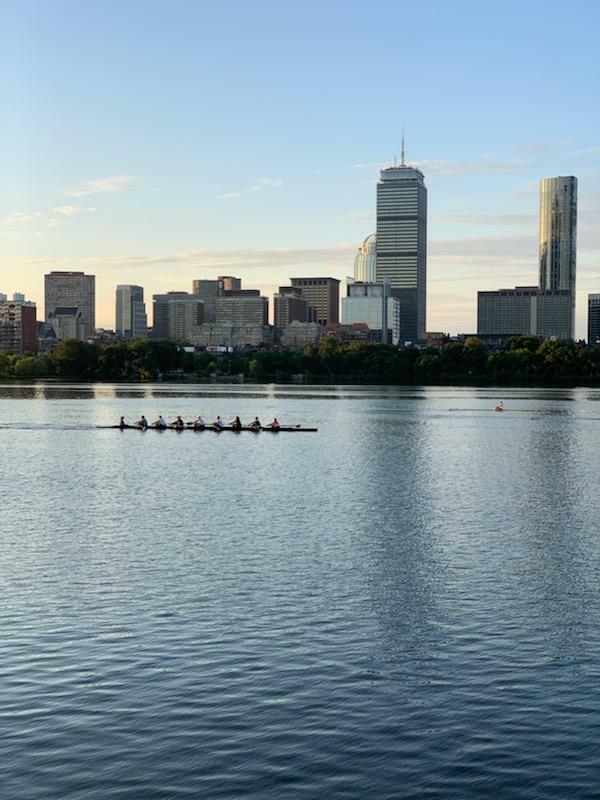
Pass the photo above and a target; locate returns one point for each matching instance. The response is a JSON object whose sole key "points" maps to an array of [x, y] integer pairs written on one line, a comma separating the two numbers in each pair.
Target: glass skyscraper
{"points": [[558, 237], [130, 317], [365, 262], [402, 245]]}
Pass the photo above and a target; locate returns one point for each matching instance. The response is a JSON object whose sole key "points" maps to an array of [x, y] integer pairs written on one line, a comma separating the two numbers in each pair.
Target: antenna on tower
{"points": [[395, 161], [403, 164]]}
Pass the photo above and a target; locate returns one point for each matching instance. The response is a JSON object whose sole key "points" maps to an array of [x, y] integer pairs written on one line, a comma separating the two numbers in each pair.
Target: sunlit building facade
{"points": [[365, 262], [130, 313], [593, 338]]}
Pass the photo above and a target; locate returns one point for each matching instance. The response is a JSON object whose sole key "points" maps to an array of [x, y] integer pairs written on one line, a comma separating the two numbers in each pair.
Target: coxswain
{"points": [[161, 422], [122, 423], [142, 423], [218, 424], [199, 423], [179, 424], [275, 424], [500, 406], [255, 424], [236, 424]]}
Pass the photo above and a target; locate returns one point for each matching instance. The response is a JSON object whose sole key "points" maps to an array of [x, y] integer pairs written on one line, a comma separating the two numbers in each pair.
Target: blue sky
{"points": [[160, 142]]}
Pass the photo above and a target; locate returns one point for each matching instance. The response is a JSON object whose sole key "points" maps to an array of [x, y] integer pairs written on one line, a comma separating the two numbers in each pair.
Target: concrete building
{"points": [[364, 303], [229, 283], [298, 335], [558, 238], [243, 307], [323, 295], [401, 244], [289, 306], [176, 316], [593, 337], [68, 323], [365, 262], [208, 291], [525, 311], [18, 326], [234, 336], [73, 290], [131, 319]]}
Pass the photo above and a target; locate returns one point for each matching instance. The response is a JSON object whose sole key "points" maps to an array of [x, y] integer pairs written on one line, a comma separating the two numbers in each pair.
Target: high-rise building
{"points": [[18, 326], [290, 306], [208, 291], [73, 290], [230, 284], [131, 320], [558, 238], [525, 311], [323, 295], [242, 307], [364, 303], [593, 338], [365, 261], [176, 316], [401, 244]]}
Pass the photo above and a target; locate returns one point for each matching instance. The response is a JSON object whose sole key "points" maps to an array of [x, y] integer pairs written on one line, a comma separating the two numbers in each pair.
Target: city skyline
{"points": [[263, 167]]}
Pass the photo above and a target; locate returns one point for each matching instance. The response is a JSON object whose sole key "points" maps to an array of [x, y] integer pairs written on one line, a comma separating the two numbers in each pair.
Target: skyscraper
{"points": [[558, 237], [75, 291], [176, 316], [18, 326], [131, 321], [593, 338], [323, 295], [365, 262], [402, 244]]}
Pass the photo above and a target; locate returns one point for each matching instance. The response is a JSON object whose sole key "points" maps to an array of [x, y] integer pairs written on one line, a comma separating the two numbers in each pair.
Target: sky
{"points": [[155, 143]]}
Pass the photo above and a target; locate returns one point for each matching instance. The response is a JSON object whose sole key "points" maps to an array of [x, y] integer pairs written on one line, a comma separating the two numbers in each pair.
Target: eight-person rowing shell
{"points": [[219, 424]]}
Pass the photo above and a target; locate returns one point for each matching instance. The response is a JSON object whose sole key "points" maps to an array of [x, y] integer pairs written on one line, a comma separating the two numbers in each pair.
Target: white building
{"points": [[365, 304]]}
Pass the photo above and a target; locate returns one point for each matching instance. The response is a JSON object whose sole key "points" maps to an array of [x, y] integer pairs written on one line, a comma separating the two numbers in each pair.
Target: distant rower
{"points": [[275, 424], [199, 423], [122, 423], [218, 424], [255, 424], [142, 423], [500, 406], [236, 424], [161, 422], [179, 424]]}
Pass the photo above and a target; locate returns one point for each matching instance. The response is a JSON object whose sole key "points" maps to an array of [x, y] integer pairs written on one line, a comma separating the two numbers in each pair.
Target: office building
{"points": [[176, 316], [593, 338], [208, 291], [131, 320], [364, 303], [229, 283], [365, 262], [401, 244], [525, 311], [323, 295], [18, 326], [558, 239], [242, 307], [298, 335], [236, 337], [67, 323], [71, 290], [289, 306]]}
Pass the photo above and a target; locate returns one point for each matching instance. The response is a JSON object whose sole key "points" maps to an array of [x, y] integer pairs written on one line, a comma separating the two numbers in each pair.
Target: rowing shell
{"points": [[210, 428]]}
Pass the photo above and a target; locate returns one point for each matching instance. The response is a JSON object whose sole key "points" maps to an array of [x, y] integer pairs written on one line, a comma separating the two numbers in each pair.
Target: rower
{"points": [[275, 424], [218, 424], [142, 423], [161, 422], [199, 423], [500, 406], [179, 424], [122, 423], [255, 424], [236, 424]]}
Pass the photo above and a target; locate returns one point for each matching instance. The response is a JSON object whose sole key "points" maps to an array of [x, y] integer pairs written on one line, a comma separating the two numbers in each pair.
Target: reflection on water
{"points": [[404, 604]]}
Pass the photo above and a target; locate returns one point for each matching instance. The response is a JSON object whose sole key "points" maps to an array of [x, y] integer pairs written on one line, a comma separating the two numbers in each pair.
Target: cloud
{"points": [[587, 151], [258, 186], [68, 211], [116, 183], [491, 220]]}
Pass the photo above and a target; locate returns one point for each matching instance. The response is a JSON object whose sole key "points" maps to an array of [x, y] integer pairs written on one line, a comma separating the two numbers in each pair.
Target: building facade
{"points": [[593, 337], [558, 238], [364, 303], [131, 320], [229, 283], [18, 326], [298, 335], [242, 307], [208, 291], [233, 336], [176, 316], [525, 311], [289, 306], [72, 290], [401, 245], [365, 261], [322, 295]]}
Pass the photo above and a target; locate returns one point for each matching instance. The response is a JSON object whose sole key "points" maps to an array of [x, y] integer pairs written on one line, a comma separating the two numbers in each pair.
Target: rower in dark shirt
{"points": [[255, 424], [236, 424], [179, 424], [122, 423]]}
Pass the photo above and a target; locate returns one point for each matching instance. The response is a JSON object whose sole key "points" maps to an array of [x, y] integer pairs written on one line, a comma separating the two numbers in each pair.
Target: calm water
{"points": [[403, 605]]}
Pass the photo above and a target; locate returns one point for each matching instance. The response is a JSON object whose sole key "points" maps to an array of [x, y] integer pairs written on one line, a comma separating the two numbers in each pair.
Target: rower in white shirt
{"points": [[199, 423], [218, 423], [161, 422]]}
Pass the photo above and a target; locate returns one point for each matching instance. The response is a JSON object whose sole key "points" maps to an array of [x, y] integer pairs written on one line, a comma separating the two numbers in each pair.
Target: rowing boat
{"points": [[283, 429]]}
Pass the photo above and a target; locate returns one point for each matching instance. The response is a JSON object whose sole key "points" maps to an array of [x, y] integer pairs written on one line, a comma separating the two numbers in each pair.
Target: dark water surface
{"points": [[403, 605]]}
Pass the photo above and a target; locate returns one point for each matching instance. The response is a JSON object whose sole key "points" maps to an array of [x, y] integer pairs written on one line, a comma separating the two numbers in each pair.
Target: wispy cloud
{"points": [[488, 220], [257, 186], [68, 211], [587, 151], [116, 183]]}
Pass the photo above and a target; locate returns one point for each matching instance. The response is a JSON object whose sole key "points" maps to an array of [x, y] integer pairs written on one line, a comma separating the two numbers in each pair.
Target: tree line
{"points": [[524, 361]]}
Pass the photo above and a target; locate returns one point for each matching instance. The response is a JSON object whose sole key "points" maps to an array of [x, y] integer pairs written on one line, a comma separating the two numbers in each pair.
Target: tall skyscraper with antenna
{"points": [[402, 243]]}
